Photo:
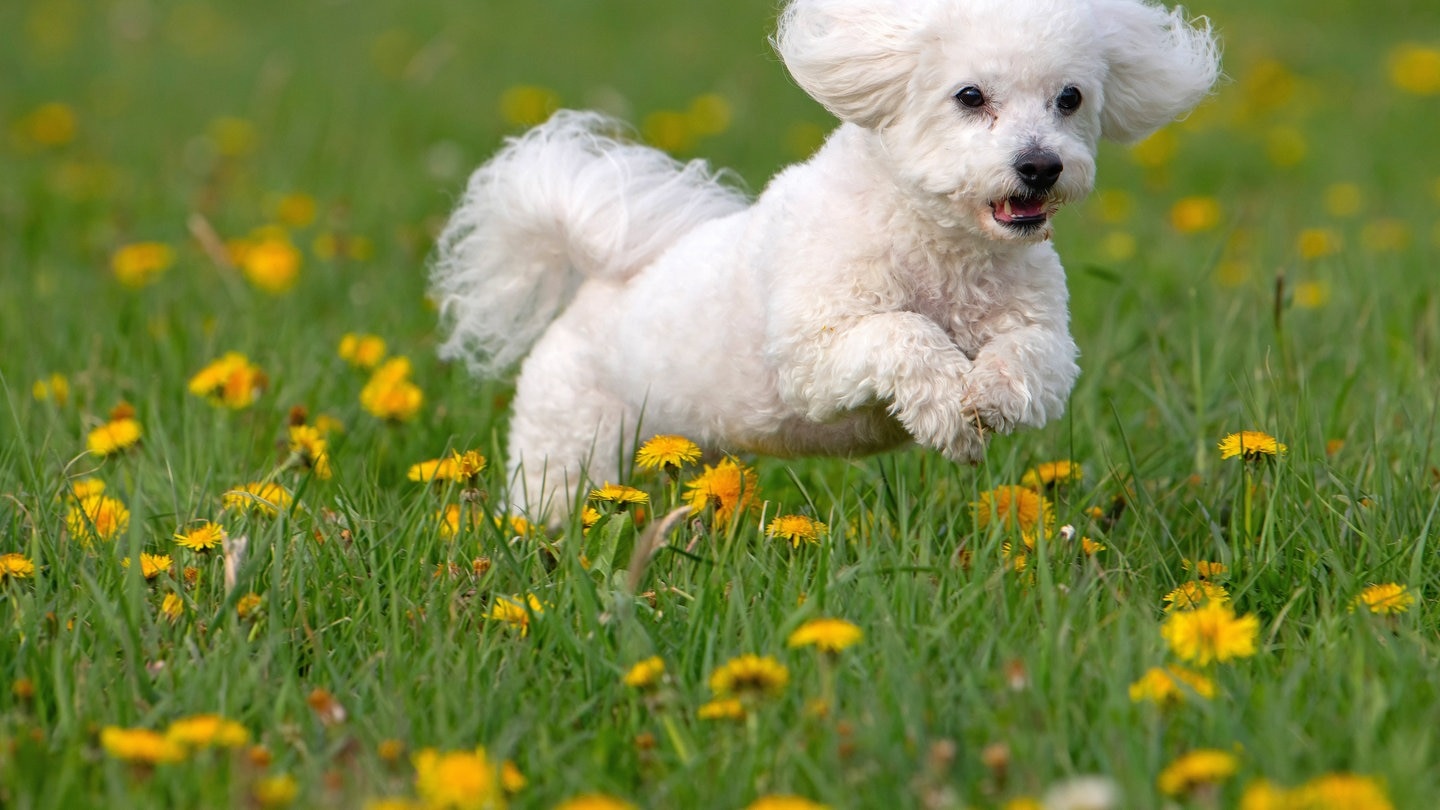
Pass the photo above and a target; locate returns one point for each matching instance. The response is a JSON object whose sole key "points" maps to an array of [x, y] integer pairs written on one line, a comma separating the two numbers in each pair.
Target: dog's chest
{"points": [[965, 297]]}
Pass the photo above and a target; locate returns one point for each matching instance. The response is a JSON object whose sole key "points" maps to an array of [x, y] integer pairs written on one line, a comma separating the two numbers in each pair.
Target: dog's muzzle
{"points": [[1038, 169]]}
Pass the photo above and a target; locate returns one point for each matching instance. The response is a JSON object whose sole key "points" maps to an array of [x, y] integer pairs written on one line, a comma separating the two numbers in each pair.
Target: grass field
{"points": [[1266, 265]]}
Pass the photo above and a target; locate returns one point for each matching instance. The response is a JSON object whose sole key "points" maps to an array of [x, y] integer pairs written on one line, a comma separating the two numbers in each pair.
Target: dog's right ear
{"points": [[853, 56]]}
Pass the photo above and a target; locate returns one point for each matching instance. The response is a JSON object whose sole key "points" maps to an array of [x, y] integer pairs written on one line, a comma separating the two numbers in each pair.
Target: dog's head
{"points": [[988, 112]]}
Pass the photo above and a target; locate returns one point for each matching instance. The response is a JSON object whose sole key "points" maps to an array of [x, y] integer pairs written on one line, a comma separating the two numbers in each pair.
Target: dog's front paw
{"points": [[1001, 401], [967, 445], [948, 425]]}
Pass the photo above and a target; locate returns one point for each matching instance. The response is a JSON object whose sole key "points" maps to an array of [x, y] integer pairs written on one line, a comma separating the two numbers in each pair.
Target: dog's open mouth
{"points": [[1022, 213]]}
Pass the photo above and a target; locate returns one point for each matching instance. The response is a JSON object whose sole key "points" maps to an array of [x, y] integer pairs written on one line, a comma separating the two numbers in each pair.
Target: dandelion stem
{"points": [[1248, 498], [677, 739]]}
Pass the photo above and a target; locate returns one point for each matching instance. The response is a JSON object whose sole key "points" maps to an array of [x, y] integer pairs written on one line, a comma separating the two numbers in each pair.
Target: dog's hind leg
{"points": [[567, 431]]}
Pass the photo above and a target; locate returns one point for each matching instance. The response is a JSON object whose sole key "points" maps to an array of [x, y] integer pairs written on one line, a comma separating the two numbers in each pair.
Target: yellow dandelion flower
{"points": [[1156, 150], [511, 779], [207, 731], [1343, 200], [1205, 569], [513, 611], [1386, 598], [140, 745], [1018, 562], [247, 605], [1209, 633], [730, 487], [1342, 791], [1091, 547], [709, 114], [458, 780], [1114, 205], [517, 525], [362, 351], [645, 674], [82, 488], [1014, 508], [667, 452], [1204, 766], [55, 388], [1415, 69], [1233, 272], [15, 566], [455, 519], [330, 246], [436, 469], [139, 264], [262, 498], [1317, 243], [1023, 803], [722, 709], [463, 467], [114, 436], [151, 565], [1250, 445], [276, 791], [296, 210], [796, 529], [828, 635], [272, 263], [619, 494], [1119, 246], [203, 537], [595, 801], [308, 448], [1195, 214], [468, 465], [232, 137], [668, 130], [749, 675], [589, 516], [1052, 474], [172, 607], [1385, 235], [389, 394], [1286, 146], [782, 801], [526, 105], [1268, 85], [1261, 794], [97, 517], [390, 749], [1193, 594], [51, 124], [1170, 685], [231, 381]]}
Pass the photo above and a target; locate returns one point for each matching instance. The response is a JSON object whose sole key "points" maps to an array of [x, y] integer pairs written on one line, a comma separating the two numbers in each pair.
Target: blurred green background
{"points": [[378, 110]]}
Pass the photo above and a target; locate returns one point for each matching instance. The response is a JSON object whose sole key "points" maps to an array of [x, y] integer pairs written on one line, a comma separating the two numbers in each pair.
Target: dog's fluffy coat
{"points": [[882, 291]]}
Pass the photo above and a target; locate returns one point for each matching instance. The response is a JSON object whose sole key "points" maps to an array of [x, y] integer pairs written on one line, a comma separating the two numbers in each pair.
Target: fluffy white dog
{"points": [[899, 285]]}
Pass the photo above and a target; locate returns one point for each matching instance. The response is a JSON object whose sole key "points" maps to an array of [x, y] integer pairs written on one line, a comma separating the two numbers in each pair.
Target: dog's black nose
{"points": [[1039, 168]]}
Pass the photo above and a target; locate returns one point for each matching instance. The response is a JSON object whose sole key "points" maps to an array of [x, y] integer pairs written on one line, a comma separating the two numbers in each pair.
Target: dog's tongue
{"points": [[1020, 208]]}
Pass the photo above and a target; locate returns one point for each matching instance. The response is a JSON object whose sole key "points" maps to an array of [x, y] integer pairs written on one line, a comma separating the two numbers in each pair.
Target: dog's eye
{"points": [[1069, 100], [970, 96]]}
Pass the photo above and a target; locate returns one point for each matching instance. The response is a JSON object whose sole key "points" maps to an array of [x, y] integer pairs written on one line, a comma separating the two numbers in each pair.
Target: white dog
{"points": [[899, 285]]}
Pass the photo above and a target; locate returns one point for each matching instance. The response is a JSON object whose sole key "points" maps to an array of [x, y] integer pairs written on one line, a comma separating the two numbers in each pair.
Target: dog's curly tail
{"points": [[565, 201]]}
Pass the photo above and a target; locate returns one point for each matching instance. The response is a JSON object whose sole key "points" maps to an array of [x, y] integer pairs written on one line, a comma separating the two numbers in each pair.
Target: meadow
{"points": [[217, 359]]}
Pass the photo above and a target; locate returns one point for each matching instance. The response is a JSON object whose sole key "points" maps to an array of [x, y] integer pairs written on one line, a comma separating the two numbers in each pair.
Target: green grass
{"points": [[377, 111]]}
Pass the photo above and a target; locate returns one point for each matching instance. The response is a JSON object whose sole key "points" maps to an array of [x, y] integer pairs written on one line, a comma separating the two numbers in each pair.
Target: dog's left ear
{"points": [[1161, 66], [853, 56]]}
